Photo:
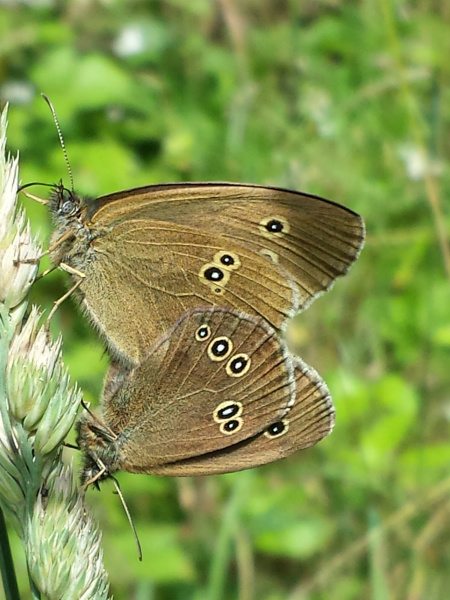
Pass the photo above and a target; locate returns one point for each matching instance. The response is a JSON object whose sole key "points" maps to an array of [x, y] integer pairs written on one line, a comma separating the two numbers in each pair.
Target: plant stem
{"points": [[6, 563]]}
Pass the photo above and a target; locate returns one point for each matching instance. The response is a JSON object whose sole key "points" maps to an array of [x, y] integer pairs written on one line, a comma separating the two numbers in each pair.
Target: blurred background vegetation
{"points": [[345, 99]]}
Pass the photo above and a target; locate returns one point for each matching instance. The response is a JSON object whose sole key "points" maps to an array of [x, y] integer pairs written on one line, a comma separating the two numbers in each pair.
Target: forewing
{"points": [[310, 238], [147, 273]]}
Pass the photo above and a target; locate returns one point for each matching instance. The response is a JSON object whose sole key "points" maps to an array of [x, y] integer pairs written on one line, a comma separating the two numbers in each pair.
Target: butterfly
{"points": [[141, 258], [219, 392]]}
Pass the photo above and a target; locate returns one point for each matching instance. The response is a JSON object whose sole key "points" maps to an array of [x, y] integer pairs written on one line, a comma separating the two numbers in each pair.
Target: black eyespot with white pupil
{"points": [[228, 411], [227, 260], [237, 365], [214, 274], [220, 347], [202, 333], [274, 226], [232, 425], [276, 428]]}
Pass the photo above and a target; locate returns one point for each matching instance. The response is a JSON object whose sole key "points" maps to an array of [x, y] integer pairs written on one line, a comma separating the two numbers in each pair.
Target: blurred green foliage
{"points": [[349, 100]]}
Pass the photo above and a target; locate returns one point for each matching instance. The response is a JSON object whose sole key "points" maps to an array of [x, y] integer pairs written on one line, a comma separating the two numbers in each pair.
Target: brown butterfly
{"points": [[219, 393], [141, 258]]}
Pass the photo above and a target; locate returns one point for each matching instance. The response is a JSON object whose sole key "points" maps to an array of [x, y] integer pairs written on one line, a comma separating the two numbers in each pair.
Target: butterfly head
{"points": [[64, 204], [72, 235]]}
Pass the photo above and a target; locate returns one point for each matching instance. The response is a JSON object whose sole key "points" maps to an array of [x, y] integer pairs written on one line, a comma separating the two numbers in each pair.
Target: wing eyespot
{"points": [[238, 365], [227, 410], [277, 429], [228, 416], [203, 333], [231, 426], [215, 276], [274, 226], [220, 348], [227, 260]]}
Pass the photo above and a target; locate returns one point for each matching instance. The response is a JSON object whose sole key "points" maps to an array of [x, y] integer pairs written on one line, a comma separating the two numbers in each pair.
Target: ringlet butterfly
{"points": [[141, 258], [220, 392]]}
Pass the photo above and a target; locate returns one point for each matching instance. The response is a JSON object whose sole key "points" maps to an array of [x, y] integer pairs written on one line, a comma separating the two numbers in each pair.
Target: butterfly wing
{"points": [[161, 250], [154, 272], [220, 393], [310, 419], [310, 238]]}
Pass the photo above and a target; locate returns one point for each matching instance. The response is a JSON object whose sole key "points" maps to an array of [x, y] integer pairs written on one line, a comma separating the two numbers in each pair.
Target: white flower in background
{"points": [[130, 41], [417, 162]]}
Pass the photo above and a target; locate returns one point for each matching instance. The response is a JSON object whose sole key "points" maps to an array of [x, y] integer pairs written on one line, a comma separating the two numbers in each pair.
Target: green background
{"points": [[349, 100]]}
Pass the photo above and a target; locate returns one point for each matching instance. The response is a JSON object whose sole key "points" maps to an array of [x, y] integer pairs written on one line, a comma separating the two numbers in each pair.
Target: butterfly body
{"points": [[150, 254], [220, 392]]}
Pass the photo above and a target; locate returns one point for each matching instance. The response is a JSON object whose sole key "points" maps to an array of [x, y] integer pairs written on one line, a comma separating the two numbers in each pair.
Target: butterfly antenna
{"points": [[61, 139], [130, 520], [21, 188]]}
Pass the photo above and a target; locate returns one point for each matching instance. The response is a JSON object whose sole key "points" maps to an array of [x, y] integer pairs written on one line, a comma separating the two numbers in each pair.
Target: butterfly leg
{"points": [[49, 250], [98, 475], [46, 272], [58, 302]]}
